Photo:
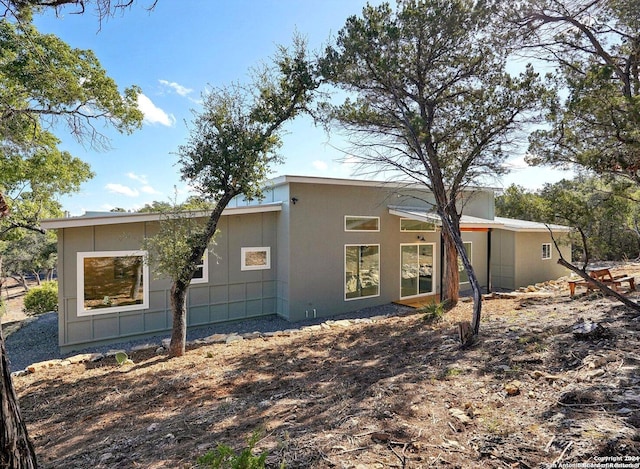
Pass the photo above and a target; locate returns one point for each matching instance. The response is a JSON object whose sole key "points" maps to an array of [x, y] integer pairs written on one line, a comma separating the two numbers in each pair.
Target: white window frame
{"points": [[81, 256], [470, 260], [243, 258], [548, 246], [433, 270], [205, 270], [377, 219], [417, 231], [344, 268]]}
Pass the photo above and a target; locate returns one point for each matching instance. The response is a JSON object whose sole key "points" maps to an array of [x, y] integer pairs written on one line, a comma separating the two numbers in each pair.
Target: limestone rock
{"points": [[42, 365], [233, 338], [513, 388]]}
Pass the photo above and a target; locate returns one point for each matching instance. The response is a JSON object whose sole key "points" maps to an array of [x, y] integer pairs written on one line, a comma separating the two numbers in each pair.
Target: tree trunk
{"points": [[136, 281], [451, 281], [16, 450], [36, 275], [179, 309], [451, 229]]}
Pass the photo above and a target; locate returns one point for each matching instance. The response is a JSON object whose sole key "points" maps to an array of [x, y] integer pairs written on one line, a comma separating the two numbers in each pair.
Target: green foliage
{"points": [[519, 203], [597, 125], [123, 359], [170, 248], [45, 83], [27, 252], [42, 299], [434, 312], [235, 139], [604, 215], [224, 457]]}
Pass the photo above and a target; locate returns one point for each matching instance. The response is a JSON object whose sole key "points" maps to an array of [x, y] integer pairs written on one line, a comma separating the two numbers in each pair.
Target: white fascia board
{"points": [[287, 179], [421, 215], [121, 218], [525, 226]]}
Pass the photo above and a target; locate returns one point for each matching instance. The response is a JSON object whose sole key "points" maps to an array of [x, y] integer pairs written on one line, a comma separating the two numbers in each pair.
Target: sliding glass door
{"points": [[416, 269]]}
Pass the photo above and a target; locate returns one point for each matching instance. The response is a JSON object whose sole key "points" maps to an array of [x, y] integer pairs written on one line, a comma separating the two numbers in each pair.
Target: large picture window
{"points": [[112, 281], [362, 271], [255, 258]]}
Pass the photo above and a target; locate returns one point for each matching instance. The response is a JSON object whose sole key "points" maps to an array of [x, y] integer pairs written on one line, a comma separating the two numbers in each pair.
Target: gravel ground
{"points": [[37, 339]]}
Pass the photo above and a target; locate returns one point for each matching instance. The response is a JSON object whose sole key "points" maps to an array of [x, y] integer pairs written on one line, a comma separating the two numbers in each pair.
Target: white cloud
{"points": [[178, 88], [138, 177], [122, 190], [517, 163], [149, 190], [153, 114], [320, 165]]}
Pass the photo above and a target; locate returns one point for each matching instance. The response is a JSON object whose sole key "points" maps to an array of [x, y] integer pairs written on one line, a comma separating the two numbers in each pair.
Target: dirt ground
{"points": [[391, 392], [13, 295]]}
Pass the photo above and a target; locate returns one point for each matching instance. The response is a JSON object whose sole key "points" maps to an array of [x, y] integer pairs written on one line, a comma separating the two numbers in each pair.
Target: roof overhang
{"points": [[466, 222], [512, 224], [469, 223], [117, 218]]}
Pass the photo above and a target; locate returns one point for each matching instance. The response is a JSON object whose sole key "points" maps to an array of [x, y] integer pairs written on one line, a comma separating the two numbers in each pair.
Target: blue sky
{"points": [[174, 53]]}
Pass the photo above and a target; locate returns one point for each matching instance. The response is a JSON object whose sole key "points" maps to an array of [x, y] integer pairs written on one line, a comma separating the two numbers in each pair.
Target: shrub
{"points": [[433, 312], [42, 299], [225, 457]]}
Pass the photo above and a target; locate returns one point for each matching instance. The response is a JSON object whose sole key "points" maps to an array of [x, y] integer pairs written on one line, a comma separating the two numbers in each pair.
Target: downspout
{"points": [[489, 286]]}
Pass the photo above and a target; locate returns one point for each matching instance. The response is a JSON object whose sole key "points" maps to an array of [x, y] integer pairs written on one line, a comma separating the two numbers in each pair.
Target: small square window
{"points": [[255, 258], [546, 251], [201, 275]]}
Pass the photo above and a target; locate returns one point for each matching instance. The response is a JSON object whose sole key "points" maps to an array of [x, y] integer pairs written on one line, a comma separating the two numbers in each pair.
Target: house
{"points": [[314, 247]]}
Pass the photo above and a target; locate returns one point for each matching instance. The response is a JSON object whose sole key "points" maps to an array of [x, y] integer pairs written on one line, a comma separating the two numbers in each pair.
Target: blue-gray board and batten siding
{"points": [[230, 294]]}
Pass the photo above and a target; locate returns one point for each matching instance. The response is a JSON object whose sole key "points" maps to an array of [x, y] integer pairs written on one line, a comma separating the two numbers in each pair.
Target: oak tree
{"points": [[233, 142]]}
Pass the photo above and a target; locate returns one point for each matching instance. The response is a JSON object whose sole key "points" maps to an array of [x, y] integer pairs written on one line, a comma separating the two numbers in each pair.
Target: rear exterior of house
{"points": [[314, 247]]}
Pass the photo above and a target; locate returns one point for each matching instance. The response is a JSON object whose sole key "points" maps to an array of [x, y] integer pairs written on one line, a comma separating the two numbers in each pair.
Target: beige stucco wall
{"points": [[530, 268]]}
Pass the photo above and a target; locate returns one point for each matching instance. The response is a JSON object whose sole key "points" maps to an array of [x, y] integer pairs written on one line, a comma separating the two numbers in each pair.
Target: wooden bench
{"points": [[604, 276]]}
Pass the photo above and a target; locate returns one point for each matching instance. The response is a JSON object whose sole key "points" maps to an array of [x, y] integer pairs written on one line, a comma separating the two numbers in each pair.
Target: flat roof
{"points": [[288, 179], [114, 218]]}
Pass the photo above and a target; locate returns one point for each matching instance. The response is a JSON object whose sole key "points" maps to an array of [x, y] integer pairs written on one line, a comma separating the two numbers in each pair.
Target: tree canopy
{"points": [[232, 143], [595, 46], [430, 99], [46, 85]]}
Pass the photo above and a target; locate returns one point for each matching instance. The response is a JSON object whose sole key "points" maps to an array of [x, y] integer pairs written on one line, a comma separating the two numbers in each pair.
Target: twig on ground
{"points": [[566, 448]]}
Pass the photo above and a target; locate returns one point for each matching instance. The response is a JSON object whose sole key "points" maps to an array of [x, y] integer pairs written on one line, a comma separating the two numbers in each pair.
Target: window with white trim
{"points": [[417, 268], [411, 225], [546, 251], [362, 271], [256, 258], [112, 281], [352, 223], [201, 275]]}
